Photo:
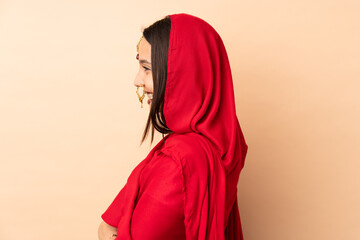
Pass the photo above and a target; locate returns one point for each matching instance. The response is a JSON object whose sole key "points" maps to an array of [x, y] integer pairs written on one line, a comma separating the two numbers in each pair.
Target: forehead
{"points": [[144, 48]]}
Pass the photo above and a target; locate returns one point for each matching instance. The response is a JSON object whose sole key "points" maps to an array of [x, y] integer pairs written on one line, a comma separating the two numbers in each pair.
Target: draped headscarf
{"points": [[207, 141]]}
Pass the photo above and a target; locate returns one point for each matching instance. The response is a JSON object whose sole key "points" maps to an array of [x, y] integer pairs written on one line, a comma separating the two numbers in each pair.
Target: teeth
{"points": [[150, 95]]}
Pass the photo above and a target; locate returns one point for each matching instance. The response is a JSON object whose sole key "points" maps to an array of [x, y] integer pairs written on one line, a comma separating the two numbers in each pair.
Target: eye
{"points": [[146, 69]]}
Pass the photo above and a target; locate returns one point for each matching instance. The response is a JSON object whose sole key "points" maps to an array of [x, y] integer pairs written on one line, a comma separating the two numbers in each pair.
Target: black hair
{"points": [[158, 35]]}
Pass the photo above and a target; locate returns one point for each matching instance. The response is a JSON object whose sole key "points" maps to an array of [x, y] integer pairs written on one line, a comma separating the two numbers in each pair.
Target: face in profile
{"points": [[144, 75]]}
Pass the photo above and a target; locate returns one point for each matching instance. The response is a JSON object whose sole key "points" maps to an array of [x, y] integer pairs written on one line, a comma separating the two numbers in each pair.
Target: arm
{"points": [[105, 231], [159, 212]]}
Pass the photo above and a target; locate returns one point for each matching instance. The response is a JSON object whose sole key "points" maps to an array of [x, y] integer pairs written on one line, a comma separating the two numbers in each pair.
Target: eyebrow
{"points": [[144, 61]]}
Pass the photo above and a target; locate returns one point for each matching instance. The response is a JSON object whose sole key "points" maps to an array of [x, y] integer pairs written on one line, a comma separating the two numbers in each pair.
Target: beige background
{"points": [[71, 123]]}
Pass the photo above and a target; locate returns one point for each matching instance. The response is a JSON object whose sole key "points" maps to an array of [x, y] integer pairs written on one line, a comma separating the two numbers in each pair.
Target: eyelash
{"points": [[146, 69]]}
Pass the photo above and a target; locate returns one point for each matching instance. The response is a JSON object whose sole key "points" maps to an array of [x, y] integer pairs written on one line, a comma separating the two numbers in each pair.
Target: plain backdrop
{"points": [[71, 123]]}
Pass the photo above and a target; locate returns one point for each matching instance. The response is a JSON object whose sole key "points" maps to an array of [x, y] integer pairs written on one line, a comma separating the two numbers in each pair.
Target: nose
{"points": [[138, 82]]}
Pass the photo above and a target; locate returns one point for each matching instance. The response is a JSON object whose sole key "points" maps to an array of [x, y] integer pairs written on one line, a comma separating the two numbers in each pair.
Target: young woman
{"points": [[186, 187]]}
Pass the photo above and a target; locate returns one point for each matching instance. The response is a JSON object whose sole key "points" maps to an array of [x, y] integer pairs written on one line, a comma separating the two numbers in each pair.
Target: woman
{"points": [[186, 187]]}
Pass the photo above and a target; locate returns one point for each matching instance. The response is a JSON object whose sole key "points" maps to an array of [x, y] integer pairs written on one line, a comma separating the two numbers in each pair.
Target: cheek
{"points": [[149, 79]]}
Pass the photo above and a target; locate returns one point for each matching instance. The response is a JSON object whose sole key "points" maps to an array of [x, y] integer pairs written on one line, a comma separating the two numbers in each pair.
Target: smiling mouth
{"points": [[149, 94]]}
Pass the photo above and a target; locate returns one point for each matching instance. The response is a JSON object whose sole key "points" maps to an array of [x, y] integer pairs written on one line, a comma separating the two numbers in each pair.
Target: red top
{"points": [[186, 187]]}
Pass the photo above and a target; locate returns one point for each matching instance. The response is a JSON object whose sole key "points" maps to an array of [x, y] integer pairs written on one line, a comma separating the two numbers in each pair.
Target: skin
{"points": [[143, 77], [105, 231]]}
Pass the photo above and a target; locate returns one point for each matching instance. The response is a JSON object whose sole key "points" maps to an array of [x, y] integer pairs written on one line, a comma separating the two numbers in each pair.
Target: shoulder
{"points": [[192, 152], [185, 145], [162, 163], [162, 177]]}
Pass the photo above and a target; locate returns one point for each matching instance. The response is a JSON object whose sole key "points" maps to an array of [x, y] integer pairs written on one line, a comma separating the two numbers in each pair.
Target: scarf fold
{"points": [[208, 143]]}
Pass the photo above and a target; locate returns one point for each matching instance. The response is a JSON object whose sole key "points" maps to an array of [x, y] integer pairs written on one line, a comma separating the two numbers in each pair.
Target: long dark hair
{"points": [[158, 35]]}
